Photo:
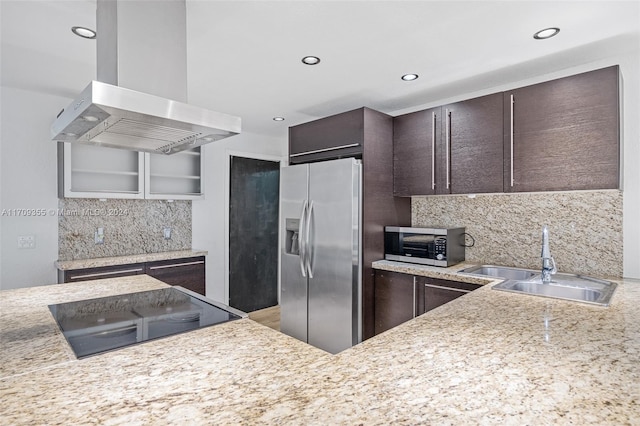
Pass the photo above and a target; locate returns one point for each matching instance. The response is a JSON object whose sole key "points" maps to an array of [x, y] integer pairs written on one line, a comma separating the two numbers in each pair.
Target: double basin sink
{"points": [[562, 286]]}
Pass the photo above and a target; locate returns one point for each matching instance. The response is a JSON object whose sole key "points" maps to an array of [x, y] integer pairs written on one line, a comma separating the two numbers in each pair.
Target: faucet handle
{"points": [[553, 267]]}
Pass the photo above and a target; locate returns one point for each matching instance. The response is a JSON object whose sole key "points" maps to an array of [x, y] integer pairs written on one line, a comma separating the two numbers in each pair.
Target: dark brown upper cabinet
{"points": [[563, 134], [470, 154], [453, 149], [336, 136], [415, 136]]}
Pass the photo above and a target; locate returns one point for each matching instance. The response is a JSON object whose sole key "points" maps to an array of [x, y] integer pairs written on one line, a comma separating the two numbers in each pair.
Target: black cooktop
{"points": [[99, 325]]}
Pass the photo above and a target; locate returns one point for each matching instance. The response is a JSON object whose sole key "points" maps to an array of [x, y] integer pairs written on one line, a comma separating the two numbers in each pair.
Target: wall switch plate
{"points": [[99, 236], [167, 233], [27, 242]]}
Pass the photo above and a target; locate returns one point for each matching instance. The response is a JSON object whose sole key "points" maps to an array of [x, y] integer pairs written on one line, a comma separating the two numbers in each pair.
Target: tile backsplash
{"points": [[130, 227], [585, 227]]}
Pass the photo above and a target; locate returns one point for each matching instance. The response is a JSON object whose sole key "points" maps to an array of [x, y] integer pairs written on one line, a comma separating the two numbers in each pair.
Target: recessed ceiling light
{"points": [[409, 77], [83, 32], [278, 118], [311, 60], [546, 33]]}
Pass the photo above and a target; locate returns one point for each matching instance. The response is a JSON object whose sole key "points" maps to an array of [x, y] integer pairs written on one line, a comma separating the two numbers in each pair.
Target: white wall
{"points": [[28, 175], [628, 57], [210, 218]]}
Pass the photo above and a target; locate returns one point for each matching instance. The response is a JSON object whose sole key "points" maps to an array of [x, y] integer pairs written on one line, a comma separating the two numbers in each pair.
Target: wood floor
{"points": [[269, 317]]}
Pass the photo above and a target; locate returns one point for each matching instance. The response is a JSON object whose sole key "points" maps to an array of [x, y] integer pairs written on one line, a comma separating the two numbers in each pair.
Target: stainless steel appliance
{"points": [[427, 246], [154, 116], [321, 277], [98, 325]]}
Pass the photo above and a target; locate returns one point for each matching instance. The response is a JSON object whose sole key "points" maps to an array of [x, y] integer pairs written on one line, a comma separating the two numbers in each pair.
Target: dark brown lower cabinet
{"points": [[436, 292], [395, 299], [188, 272], [400, 297], [99, 273]]}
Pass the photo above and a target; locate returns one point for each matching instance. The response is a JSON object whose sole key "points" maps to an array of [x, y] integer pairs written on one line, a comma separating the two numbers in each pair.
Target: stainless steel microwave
{"points": [[426, 246]]}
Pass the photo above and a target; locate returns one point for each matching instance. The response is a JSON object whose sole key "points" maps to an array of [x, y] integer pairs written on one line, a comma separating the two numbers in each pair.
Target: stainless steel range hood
{"points": [[108, 114]]}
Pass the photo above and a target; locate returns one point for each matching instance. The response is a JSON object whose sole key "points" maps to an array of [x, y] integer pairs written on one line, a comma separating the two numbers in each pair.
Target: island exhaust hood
{"points": [[141, 49]]}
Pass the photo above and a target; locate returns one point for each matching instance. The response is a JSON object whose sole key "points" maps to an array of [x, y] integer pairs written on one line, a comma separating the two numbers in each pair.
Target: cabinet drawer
{"points": [[436, 292], [188, 272], [103, 272]]}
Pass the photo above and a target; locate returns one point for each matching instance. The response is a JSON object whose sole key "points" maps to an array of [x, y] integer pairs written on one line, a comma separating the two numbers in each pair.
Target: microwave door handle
{"points": [[309, 245], [301, 242]]}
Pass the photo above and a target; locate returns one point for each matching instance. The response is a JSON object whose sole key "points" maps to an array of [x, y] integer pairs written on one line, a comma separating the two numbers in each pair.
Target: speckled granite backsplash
{"points": [[130, 227], [585, 228]]}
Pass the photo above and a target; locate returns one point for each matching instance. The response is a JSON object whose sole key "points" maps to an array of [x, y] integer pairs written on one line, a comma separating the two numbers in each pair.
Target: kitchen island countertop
{"points": [[488, 357]]}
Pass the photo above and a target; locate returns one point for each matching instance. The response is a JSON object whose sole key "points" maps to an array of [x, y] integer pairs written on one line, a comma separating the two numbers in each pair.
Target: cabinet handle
{"points": [[459, 290], [448, 142], [511, 136], [316, 151], [414, 297], [199, 262], [104, 274], [433, 151]]}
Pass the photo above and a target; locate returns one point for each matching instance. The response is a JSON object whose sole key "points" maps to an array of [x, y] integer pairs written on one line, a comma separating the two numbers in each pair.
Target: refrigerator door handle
{"points": [[302, 246], [309, 246]]}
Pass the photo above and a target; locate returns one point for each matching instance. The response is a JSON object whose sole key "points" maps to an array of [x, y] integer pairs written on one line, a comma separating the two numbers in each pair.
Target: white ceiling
{"points": [[244, 57]]}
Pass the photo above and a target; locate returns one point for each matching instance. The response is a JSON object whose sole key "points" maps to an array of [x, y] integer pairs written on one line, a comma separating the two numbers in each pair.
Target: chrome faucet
{"points": [[548, 264]]}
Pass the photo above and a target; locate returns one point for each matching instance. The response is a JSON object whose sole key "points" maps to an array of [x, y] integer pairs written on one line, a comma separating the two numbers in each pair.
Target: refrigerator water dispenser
{"points": [[291, 243]]}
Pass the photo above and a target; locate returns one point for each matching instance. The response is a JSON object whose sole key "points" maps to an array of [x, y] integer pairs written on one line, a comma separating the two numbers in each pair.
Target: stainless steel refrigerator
{"points": [[321, 278]]}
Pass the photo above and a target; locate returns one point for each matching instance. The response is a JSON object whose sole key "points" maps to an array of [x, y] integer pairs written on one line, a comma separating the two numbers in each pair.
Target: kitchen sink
{"points": [[564, 286], [501, 272], [577, 288]]}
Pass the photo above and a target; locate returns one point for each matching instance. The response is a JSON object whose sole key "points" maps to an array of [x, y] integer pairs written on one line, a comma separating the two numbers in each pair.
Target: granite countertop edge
{"points": [[70, 265], [449, 273]]}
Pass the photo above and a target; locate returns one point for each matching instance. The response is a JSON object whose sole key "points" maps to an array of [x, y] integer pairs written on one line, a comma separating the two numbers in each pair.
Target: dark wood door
{"points": [[395, 299], [187, 272], [336, 136], [470, 154], [565, 134], [414, 146], [254, 201], [436, 292]]}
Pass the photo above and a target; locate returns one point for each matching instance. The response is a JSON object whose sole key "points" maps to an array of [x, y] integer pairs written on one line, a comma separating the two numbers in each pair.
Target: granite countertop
{"points": [[450, 273], [68, 265], [488, 357]]}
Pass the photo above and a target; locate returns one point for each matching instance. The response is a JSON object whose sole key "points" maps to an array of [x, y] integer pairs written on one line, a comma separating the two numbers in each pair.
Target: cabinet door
{"points": [[563, 134], [395, 299], [336, 136], [414, 152], [86, 171], [103, 272], [188, 272], [471, 148], [437, 292], [176, 177]]}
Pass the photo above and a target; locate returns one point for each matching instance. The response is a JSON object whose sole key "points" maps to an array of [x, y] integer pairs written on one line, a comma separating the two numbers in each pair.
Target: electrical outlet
{"points": [[167, 233], [27, 242], [99, 236]]}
